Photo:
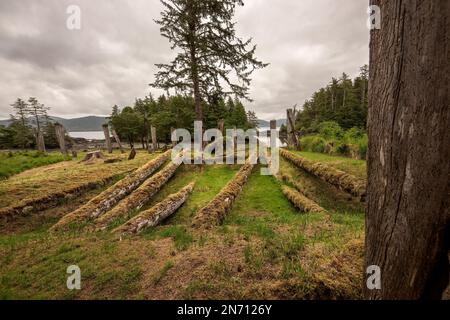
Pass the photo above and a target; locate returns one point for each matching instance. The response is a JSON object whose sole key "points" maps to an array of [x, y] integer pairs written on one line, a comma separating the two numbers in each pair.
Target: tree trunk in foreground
{"points": [[407, 218]]}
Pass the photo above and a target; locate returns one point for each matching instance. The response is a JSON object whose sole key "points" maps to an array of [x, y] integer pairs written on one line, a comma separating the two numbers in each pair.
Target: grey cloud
{"points": [[111, 60]]}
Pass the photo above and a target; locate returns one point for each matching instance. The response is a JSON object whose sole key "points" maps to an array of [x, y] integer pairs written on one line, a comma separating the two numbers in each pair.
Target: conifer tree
{"points": [[210, 55]]}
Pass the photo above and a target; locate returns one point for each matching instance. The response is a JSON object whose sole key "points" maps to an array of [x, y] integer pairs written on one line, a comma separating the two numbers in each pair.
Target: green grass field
{"points": [[16, 162], [265, 249]]}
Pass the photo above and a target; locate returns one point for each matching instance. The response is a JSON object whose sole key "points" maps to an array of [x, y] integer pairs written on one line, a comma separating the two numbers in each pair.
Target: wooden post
{"points": [[116, 137], [221, 126], [292, 139], [107, 138], [60, 135], [132, 154], [172, 129], [154, 139], [273, 126], [40, 141]]}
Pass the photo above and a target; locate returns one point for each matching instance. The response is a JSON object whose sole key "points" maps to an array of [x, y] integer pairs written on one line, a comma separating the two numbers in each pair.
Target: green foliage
{"points": [[211, 56], [15, 162], [343, 101], [335, 141], [133, 123], [330, 130]]}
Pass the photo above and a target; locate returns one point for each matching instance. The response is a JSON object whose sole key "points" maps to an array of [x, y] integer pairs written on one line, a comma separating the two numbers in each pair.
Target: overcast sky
{"points": [[111, 59]]}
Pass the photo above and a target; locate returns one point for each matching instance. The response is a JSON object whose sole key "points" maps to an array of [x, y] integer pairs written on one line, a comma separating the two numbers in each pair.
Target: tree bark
{"points": [[107, 138], [60, 135], [114, 194], [116, 137], [139, 197], [40, 141], [154, 139], [407, 217], [156, 214]]}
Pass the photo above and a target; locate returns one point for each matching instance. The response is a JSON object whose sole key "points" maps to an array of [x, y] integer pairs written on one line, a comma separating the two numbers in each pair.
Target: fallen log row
{"points": [[139, 197], [286, 178], [110, 197], [52, 200], [340, 179], [158, 213], [300, 201], [215, 211]]}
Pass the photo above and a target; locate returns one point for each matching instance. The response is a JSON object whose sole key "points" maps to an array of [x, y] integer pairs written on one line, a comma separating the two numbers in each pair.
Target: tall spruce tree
{"points": [[210, 54], [20, 126]]}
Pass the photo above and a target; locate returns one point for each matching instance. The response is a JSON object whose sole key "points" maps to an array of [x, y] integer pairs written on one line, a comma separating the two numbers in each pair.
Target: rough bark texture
{"points": [[107, 138], [158, 213], [110, 197], [214, 212], [344, 181], [407, 219], [92, 156], [139, 197], [132, 154], [300, 201], [116, 137], [40, 141], [60, 135], [292, 140], [154, 139]]}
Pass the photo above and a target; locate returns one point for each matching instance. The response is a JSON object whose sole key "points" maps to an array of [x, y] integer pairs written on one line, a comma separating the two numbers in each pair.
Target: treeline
{"points": [[334, 120], [30, 127], [343, 101], [133, 123]]}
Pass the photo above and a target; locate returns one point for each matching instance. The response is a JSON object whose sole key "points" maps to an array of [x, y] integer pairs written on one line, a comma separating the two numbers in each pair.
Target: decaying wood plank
{"points": [[139, 197], [303, 203], [110, 197], [344, 181], [158, 213], [215, 211]]}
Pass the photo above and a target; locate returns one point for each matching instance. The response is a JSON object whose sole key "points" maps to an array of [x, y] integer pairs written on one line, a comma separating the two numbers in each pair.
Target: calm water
{"points": [[89, 135]]}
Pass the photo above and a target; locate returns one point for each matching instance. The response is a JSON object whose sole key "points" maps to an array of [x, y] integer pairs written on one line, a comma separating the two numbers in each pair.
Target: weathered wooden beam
{"points": [[157, 214], [221, 126], [60, 136], [215, 211], [154, 139], [116, 137], [300, 201], [292, 139], [110, 197], [107, 138], [139, 197], [40, 141]]}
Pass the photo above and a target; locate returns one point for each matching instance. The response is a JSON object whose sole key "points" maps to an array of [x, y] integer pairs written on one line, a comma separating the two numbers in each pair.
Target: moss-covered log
{"points": [[139, 197], [158, 213], [215, 211], [110, 197], [300, 201], [344, 181]]}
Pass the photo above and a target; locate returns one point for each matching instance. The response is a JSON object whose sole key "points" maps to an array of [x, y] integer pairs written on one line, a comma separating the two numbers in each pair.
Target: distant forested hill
{"points": [[90, 123]]}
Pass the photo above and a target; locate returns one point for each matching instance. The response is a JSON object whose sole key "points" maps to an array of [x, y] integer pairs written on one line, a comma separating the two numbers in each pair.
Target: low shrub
{"points": [[335, 141]]}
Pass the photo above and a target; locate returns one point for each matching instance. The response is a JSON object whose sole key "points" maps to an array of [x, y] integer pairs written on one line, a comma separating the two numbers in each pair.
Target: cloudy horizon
{"points": [[111, 59]]}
